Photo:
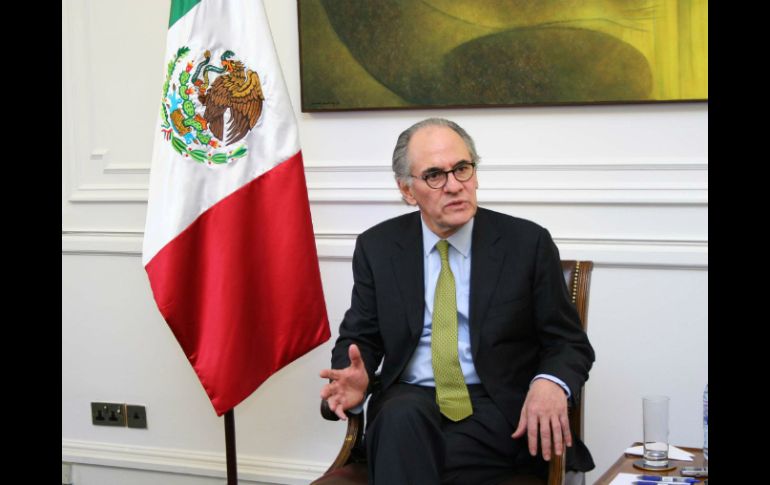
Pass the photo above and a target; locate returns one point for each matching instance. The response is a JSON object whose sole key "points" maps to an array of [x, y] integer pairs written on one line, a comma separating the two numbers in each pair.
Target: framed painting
{"points": [[391, 54]]}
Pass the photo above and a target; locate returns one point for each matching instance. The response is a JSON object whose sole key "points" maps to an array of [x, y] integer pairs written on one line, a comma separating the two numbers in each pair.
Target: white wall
{"points": [[625, 186]]}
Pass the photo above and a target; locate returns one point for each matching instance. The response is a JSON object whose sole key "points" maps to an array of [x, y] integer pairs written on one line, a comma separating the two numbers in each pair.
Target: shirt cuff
{"points": [[552, 379], [357, 409]]}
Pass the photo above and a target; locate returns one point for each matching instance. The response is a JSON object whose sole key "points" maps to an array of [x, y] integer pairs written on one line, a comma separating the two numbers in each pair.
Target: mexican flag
{"points": [[228, 244]]}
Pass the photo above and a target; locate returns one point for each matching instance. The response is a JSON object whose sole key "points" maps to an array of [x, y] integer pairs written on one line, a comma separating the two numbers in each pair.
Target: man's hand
{"points": [[348, 386], [545, 409]]}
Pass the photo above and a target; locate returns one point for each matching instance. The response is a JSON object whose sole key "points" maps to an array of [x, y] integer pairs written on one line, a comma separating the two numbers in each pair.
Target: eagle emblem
{"points": [[203, 119]]}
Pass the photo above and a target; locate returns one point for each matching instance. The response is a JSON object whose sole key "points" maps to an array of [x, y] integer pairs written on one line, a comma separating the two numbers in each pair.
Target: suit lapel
{"points": [[486, 264], [408, 272]]}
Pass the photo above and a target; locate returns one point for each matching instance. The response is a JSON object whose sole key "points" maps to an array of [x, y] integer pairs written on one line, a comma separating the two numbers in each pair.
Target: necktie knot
{"points": [[443, 249]]}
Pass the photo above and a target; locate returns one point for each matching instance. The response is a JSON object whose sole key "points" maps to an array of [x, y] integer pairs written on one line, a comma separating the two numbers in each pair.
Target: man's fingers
{"points": [[566, 430], [522, 425], [329, 374], [531, 427], [556, 431], [532, 435], [335, 404], [327, 391], [341, 413], [545, 437], [355, 356], [346, 384]]}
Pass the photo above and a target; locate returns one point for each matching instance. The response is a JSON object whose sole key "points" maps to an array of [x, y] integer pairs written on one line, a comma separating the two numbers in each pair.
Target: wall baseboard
{"points": [[186, 462]]}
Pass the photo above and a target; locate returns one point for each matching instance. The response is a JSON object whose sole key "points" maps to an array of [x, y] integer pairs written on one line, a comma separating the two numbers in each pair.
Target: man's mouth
{"points": [[454, 204]]}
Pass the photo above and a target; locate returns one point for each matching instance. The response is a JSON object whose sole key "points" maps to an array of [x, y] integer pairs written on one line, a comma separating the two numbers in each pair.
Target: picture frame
{"points": [[406, 54]]}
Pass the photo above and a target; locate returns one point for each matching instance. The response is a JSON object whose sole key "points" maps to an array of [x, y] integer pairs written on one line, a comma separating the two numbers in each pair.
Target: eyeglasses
{"points": [[437, 179]]}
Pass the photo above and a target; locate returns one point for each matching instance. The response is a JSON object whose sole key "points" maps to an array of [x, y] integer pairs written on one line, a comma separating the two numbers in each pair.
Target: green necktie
{"points": [[451, 392]]}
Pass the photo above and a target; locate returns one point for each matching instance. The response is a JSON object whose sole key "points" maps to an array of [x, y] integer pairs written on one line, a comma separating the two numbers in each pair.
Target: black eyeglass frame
{"points": [[462, 164]]}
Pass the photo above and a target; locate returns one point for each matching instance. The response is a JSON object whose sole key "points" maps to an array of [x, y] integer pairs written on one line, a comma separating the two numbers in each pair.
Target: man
{"points": [[468, 311]]}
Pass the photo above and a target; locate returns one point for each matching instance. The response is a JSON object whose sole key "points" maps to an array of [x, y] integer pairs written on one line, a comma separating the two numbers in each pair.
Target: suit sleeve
{"points": [[566, 352], [360, 324]]}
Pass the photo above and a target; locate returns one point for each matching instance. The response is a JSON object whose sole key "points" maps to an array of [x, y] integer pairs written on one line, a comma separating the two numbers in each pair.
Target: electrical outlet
{"points": [[136, 416], [108, 414]]}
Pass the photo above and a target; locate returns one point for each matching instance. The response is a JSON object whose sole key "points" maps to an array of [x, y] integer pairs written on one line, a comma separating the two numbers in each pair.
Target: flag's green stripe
{"points": [[179, 8]]}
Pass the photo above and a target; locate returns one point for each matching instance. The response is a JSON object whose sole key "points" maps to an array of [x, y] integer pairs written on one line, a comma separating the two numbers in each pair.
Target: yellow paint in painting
{"points": [[671, 34]]}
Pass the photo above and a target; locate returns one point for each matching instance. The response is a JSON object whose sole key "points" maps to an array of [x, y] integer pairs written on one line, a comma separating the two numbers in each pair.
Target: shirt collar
{"points": [[461, 240]]}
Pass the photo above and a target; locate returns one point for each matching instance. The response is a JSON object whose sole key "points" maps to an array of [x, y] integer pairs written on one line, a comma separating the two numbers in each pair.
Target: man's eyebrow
{"points": [[431, 170], [437, 169]]}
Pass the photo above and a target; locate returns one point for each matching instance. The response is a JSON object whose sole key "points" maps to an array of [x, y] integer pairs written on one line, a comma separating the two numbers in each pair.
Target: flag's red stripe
{"points": [[240, 287]]}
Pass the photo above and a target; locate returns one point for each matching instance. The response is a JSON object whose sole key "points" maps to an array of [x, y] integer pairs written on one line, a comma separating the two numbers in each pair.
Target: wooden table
{"points": [[625, 465]]}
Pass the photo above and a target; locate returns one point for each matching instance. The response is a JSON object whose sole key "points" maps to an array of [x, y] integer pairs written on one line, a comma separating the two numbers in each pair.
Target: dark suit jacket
{"points": [[522, 322]]}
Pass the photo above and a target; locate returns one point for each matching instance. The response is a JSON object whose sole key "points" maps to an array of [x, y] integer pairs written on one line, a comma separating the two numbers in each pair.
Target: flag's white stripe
{"points": [[182, 189]]}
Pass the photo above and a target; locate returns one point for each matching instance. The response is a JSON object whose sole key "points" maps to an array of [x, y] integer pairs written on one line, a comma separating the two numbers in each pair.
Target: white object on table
{"points": [[674, 453]]}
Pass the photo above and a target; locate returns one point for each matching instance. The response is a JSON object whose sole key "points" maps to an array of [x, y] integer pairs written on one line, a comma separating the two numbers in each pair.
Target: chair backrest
{"points": [[577, 274]]}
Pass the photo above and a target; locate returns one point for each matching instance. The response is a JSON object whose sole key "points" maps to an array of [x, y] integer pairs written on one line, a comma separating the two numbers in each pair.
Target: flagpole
{"points": [[232, 464]]}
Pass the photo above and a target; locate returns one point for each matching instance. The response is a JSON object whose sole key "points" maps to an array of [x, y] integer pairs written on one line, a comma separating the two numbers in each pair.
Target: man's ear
{"points": [[406, 193]]}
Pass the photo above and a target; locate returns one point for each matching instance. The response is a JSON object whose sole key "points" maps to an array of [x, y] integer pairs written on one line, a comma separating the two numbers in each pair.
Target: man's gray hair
{"points": [[402, 165]]}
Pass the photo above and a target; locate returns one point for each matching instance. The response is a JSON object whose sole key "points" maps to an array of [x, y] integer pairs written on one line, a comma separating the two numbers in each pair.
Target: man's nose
{"points": [[452, 184]]}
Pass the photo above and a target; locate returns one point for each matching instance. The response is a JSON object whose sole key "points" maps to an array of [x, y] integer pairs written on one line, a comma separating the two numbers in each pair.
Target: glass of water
{"points": [[655, 421]]}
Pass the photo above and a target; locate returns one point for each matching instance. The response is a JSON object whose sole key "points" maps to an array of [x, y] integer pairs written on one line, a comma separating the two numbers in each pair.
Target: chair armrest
{"points": [[353, 435], [557, 468], [326, 411]]}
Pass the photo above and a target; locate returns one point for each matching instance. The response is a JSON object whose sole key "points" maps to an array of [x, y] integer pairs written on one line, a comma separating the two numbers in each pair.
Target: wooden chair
{"points": [[349, 468]]}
